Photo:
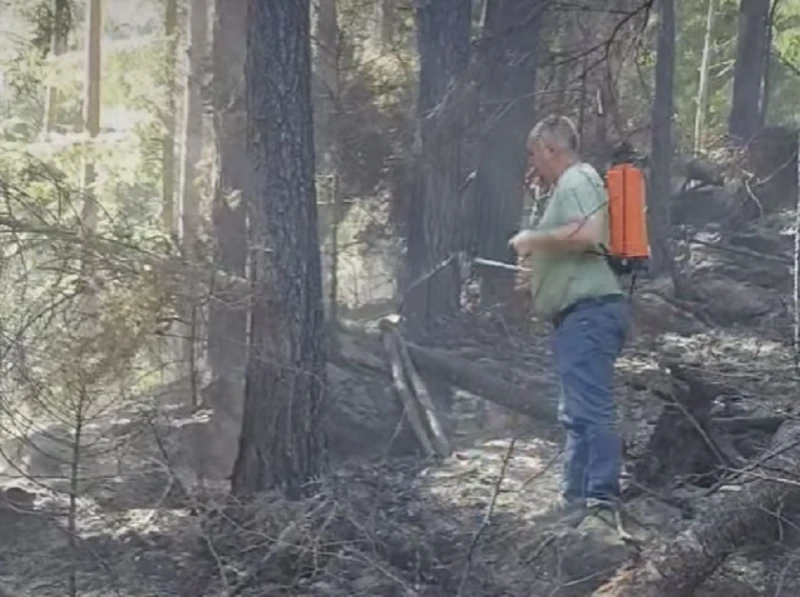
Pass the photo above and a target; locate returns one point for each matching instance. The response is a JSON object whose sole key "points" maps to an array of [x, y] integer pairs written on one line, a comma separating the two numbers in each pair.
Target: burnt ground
{"points": [[466, 525]]}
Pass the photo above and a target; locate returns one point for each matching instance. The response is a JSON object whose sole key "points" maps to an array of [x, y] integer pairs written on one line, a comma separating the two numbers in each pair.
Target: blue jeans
{"points": [[586, 343]]}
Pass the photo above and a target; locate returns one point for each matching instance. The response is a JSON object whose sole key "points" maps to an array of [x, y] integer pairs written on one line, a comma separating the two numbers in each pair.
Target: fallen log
{"points": [[742, 424], [676, 567], [532, 398]]}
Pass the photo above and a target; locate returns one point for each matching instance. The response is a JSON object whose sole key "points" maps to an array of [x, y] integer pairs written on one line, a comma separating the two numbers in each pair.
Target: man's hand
{"points": [[522, 278], [523, 243]]}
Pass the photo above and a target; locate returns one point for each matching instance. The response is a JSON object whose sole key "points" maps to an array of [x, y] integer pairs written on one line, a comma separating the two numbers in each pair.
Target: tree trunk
{"points": [[58, 45], [168, 141], [385, 20], [676, 567], [435, 225], [193, 123], [227, 317], [326, 79], [189, 196], [796, 266], [661, 142], [91, 112], [508, 87], [702, 87], [326, 101], [765, 91], [283, 442], [748, 72]]}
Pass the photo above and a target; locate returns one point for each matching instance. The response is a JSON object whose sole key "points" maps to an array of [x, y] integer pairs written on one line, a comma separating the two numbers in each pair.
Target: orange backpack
{"points": [[629, 248]]}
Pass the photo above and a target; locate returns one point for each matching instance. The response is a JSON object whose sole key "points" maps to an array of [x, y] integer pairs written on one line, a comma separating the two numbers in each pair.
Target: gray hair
{"points": [[557, 132]]}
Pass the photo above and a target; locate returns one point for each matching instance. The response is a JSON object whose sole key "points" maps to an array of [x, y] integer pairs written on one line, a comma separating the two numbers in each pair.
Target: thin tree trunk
{"points": [[227, 317], [385, 20], [661, 142], [765, 92], [58, 46], [168, 140], [326, 70], [91, 113], [435, 228], [283, 441], [89, 214], [797, 264], [189, 195], [74, 480], [326, 101], [748, 73], [702, 87], [510, 59]]}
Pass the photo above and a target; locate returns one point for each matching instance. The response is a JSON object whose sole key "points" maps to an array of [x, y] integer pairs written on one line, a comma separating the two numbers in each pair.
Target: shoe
{"points": [[606, 510], [563, 512]]}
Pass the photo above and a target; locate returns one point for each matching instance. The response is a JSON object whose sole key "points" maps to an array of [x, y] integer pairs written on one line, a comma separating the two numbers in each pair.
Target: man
{"points": [[573, 286]]}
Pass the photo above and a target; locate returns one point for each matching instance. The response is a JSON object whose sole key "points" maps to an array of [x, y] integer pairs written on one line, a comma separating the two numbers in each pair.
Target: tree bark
{"points": [[283, 442], [676, 567], [748, 72], [509, 66], [661, 146], [435, 225], [227, 316]]}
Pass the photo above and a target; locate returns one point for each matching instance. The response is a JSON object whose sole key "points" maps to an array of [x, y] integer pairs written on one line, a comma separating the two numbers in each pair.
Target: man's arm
{"points": [[580, 234]]}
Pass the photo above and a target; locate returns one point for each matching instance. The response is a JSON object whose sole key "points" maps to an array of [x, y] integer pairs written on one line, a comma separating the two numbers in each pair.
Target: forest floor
{"points": [[461, 526]]}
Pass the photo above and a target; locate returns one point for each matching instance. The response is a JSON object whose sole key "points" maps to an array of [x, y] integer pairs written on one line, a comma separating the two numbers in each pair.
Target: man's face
{"points": [[540, 161]]}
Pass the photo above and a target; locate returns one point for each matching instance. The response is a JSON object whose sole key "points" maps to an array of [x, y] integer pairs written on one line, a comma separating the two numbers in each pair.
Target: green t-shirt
{"points": [[560, 279]]}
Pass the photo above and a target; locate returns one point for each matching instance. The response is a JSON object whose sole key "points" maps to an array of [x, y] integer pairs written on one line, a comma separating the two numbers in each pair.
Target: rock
{"points": [[19, 498]]}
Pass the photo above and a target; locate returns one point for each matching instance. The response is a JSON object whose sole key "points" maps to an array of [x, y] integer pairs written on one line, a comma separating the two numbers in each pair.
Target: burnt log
{"points": [[689, 398], [529, 396], [677, 567]]}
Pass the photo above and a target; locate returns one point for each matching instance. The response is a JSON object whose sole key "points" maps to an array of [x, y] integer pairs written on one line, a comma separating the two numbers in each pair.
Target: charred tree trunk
{"points": [[766, 87], [748, 73], [661, 143], [435, 226], [509, 66], [676, 567], [227, 317], [283, 441]]}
